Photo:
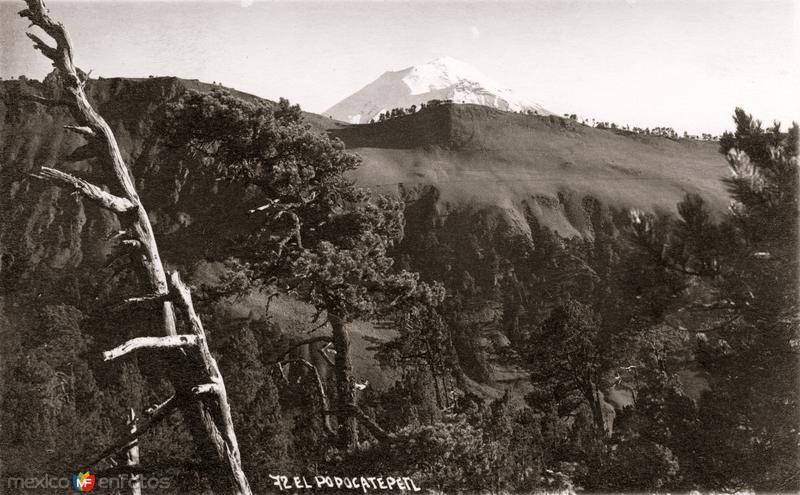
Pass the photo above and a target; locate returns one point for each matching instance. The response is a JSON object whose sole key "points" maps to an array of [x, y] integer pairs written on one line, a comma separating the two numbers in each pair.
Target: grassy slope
{"points": [[477, 155]]}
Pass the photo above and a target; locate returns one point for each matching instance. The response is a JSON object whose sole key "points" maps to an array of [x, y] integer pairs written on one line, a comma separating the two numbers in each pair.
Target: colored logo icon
{"points": [[83, 482]]}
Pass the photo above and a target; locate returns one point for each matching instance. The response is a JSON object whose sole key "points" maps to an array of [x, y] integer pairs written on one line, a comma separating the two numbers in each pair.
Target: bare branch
{"points": [[161, 412], [48, 102], [323, 397], [151, 299], [82, 130], [74, 95], [85, 78], [320, 325], [169, 342], [584, 265], [131, 244], [158, 409], [714, 306], [116, 234], [321, 338], [282, 371], [206, 388], [377, 431], [43, 47], [324, 354], [61, 55], [132, 454], [90, 191], [270, 204]]}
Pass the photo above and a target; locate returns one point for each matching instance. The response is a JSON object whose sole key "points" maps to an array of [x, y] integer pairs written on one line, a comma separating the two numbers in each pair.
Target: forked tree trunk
{"points": [[345, 385], [348, 413], [199, 389]]}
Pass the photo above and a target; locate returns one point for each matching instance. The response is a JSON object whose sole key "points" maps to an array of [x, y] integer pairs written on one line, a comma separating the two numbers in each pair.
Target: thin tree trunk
{"points": [[457, 371], [132, 456], [199, 388], [436, 389], [433, 374], [345, 385], [320, 387], [597, 409]]}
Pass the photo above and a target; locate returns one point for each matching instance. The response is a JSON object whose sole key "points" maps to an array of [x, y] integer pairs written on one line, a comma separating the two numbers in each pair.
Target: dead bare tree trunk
{"points": [[132, 456], [345, 385], [199, 389], [377, 431], [320, 388]]}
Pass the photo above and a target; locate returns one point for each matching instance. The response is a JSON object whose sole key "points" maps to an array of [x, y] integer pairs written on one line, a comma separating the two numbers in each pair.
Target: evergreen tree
{"points": [[745, 270], [51, 388], [750, 414], [256, 411], [568, 366], [322, 238]]}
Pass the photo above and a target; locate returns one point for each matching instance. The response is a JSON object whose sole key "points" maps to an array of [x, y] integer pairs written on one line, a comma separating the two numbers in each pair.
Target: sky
{"points": [[683, 64]]}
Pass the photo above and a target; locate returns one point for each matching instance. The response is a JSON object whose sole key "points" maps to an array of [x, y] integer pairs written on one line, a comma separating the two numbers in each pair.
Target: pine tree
{"points": [[322, 237], [254, 398], [751, 411], [746, 434], [567, 365]]}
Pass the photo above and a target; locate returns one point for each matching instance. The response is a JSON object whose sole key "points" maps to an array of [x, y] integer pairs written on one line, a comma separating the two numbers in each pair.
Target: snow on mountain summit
{"points": [[442, 79], [442, 73]]}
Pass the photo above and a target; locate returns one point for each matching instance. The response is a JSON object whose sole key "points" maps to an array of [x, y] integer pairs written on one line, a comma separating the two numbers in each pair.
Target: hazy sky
{"points": [[641, 62]]}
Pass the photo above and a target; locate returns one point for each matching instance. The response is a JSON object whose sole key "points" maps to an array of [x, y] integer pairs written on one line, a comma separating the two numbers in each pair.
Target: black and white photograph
{"points": [[399, 246]]}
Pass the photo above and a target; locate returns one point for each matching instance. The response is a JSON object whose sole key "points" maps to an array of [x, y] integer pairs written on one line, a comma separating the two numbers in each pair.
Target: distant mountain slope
{"points": [[532, 165], [476, 166], [475, 158], [442, 79]]}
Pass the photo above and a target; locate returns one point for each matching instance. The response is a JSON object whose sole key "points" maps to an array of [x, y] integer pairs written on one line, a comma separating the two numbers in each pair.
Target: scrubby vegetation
{"points": [[657, 354], [399, 112]]}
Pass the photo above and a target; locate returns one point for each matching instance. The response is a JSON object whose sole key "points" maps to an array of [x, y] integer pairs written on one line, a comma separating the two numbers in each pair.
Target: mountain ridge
{"points": [[529, 165], [486, 172], [475, 156]]}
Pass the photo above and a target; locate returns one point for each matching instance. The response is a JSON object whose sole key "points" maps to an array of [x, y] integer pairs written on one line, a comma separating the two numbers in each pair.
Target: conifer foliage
{"points": [[658, 354]]}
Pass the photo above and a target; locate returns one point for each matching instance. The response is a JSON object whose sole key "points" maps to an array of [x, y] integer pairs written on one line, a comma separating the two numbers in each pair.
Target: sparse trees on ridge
{"points": [[399, 112]]}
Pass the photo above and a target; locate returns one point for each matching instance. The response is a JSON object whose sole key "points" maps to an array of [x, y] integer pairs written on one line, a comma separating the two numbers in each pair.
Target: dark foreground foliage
{"points": [[658, 355]]}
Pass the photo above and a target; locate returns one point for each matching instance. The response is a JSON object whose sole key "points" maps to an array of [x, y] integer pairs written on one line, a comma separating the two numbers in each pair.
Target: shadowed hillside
{"points": [[465, 171], [553, 325], [547, 165]]}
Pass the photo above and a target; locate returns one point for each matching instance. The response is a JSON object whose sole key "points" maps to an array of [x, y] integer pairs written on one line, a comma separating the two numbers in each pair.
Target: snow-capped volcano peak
{"points": [[440, 74], [442, 79]]}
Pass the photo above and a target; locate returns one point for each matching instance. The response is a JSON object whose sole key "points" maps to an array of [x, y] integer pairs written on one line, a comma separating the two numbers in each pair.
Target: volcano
{"points": [[442, 79]]}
